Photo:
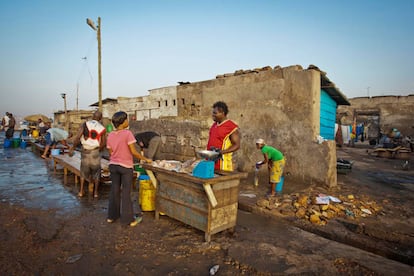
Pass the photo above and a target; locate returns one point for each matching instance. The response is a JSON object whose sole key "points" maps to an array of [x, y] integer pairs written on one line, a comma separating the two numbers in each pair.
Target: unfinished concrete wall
{"points": [[394, 111], [108, 110], [180, 136], [59, 119], [161, 102], [75, 118], [281, 106], [129, 105], [166, 100]]}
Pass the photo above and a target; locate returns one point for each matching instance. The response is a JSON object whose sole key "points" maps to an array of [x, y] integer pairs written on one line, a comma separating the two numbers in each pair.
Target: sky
{"points": [[365, 47]]}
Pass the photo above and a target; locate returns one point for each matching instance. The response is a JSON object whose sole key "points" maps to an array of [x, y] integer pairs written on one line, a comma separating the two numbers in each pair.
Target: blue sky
{"points": [[366, 47]]}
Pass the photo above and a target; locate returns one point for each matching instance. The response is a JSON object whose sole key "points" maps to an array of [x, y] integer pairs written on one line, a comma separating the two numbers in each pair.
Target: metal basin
{"points": [[208, 154]]}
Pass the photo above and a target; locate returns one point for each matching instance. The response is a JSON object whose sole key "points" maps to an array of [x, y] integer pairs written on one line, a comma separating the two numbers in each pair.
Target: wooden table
{"points": [[72, 164], [38, 148], [209, 205]]}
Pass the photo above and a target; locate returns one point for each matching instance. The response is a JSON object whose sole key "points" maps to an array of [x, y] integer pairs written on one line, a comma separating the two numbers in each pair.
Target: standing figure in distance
{"points": [[121, 145], [5, 122], [41, 126], [10, 129], [275, 163], [223, 136], [91, 135]]}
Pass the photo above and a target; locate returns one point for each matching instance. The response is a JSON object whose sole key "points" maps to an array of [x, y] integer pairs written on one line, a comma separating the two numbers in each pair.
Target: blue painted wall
{"points": [[328, 116]]}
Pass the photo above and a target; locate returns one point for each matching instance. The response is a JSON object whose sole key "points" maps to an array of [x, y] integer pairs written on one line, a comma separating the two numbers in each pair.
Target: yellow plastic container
{"points": [[35, 133], [146, 194]]}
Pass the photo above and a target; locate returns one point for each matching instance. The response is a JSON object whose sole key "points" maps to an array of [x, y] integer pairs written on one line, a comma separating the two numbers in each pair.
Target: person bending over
{"points": [[275, 163], [53, 137], [149, 142]]}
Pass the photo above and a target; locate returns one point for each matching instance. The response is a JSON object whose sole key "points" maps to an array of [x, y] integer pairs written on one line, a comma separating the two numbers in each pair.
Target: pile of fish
{"points": [[177, 166]]}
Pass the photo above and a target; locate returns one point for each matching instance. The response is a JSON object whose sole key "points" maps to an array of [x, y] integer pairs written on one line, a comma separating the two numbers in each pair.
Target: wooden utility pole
{"points": [[98, 35], [66, 111], [99, 64], [77, 96]]}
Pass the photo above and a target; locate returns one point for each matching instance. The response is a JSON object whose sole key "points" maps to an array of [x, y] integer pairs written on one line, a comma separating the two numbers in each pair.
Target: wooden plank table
{"points": [[209, 205], [38, 148], [72, 164]]}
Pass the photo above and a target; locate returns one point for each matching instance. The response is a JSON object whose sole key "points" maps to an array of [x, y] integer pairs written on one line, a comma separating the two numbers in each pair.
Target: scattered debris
{"points": [[73, 259], [325, 199], [343, 166], [214, 269], [319, 208], [405, 165], [248, 195], [366, 211]]}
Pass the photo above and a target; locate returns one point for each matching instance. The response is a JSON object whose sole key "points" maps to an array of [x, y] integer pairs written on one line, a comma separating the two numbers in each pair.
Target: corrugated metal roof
{"points": [[330, 88], [104, 101]]}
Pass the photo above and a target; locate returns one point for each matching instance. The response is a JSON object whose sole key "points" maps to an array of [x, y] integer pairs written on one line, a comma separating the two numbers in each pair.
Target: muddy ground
{"points": [[73, 238], [385, 186]]}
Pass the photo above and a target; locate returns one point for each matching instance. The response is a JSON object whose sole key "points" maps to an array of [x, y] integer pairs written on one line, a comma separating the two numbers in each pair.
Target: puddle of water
{"points": [[30, 181]]}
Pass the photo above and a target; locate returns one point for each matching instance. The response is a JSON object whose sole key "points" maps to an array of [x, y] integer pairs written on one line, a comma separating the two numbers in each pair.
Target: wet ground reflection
{"points": [[28, 180]]}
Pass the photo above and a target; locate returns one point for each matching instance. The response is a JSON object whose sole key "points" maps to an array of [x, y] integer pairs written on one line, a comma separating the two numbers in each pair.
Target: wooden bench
{"points": [[72, 164]]}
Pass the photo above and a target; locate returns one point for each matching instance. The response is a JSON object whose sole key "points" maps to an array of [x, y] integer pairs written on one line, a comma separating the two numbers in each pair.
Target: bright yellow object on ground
{"points": [[146, 193]]}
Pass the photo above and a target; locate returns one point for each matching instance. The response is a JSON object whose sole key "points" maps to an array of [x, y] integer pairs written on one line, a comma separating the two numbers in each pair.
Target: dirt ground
{"points": [[47, 241], [389, 185]]}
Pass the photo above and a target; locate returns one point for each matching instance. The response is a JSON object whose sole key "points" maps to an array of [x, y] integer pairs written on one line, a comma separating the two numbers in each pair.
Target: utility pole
{"points": [[99, 64], [98, 34], [77, 96], [66, 112]]}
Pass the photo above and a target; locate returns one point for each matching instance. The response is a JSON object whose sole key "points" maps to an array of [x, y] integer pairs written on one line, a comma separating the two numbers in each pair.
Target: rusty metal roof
{"points": [[104, 101]]}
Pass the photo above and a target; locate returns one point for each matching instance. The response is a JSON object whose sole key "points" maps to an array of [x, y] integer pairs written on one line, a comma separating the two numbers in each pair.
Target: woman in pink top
{"points": [[121, 147]]}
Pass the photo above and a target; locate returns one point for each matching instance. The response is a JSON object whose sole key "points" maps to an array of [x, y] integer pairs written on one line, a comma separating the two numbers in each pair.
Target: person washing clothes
{"points": [[275, 163], [53, 137]]}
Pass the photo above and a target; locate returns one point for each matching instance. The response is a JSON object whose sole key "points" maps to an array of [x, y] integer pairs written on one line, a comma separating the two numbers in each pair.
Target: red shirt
{"points": [[219, 136]]}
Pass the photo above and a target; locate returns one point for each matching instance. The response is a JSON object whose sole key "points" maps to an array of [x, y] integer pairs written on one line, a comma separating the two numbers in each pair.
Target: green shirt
{"points": [[272, 153]]}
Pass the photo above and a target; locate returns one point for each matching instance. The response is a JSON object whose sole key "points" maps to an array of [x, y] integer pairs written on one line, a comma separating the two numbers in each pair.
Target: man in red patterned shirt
{"points": [[224, 136]]}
